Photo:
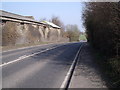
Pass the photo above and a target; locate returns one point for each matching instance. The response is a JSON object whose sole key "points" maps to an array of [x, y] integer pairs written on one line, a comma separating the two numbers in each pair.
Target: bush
{"points": [[103, 27], [9, 33], [72, 32], [102, 22]]}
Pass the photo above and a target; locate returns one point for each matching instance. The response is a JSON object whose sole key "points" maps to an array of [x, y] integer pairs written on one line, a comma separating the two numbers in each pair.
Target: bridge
{"points": [[18, 29]]}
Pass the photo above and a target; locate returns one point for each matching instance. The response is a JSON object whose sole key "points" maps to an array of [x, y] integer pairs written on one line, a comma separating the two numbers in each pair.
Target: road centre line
{"points": [[27, 47], [26, 56], [34, 46]]}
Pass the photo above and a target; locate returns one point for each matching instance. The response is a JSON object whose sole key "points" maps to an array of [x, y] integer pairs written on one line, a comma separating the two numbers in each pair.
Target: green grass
{"points": [[82, 37]]}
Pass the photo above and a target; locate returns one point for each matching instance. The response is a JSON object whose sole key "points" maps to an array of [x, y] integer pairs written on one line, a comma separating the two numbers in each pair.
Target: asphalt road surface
{"points": [[45, 69]]}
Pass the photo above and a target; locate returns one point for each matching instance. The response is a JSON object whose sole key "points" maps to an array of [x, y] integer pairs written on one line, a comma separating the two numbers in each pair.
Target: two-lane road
{"points": [[8, 56], [42, 70]]}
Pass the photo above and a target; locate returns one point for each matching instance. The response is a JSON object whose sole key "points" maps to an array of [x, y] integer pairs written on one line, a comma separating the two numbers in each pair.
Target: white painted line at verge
{"points": [[26, 56], [63, 85]]}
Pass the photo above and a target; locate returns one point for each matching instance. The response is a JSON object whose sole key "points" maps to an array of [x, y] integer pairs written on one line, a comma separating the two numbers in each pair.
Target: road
{"points": [[38, 67]]}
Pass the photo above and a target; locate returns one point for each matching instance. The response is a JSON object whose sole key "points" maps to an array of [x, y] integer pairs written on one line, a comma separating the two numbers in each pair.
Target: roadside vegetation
{"points": [[102, 22], [72, 32], [82, 37], [4, 48], [10, 34]]}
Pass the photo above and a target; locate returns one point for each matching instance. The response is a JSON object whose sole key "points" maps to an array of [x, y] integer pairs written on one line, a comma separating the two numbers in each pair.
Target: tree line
{"points": [[102, 23], [70, 31]]}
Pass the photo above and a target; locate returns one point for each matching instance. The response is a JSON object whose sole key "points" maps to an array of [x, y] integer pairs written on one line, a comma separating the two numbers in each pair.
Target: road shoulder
{"points": [[87, 74]]}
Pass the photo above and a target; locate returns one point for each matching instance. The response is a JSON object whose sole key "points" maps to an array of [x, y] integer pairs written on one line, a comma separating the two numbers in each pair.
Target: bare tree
{"points": [[58, 22], [72, 32]]}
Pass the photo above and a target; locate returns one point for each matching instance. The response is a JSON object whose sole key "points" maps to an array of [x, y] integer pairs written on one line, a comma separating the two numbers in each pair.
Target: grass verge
{"points": [[5, 48]]}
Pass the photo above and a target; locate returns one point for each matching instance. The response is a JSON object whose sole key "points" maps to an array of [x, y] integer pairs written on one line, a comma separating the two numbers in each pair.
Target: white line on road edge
{"points": [[66, 81], [26, 56]]}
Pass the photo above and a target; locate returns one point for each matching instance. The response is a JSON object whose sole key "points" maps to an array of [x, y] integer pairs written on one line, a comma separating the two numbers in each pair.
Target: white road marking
{"points": [[26, 56], [28, 47], [63, 86], [22, 57], [36, 46]]}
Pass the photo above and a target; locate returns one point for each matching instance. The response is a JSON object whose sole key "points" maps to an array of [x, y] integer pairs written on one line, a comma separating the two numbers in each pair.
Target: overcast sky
{"points": [[68, 12]]}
